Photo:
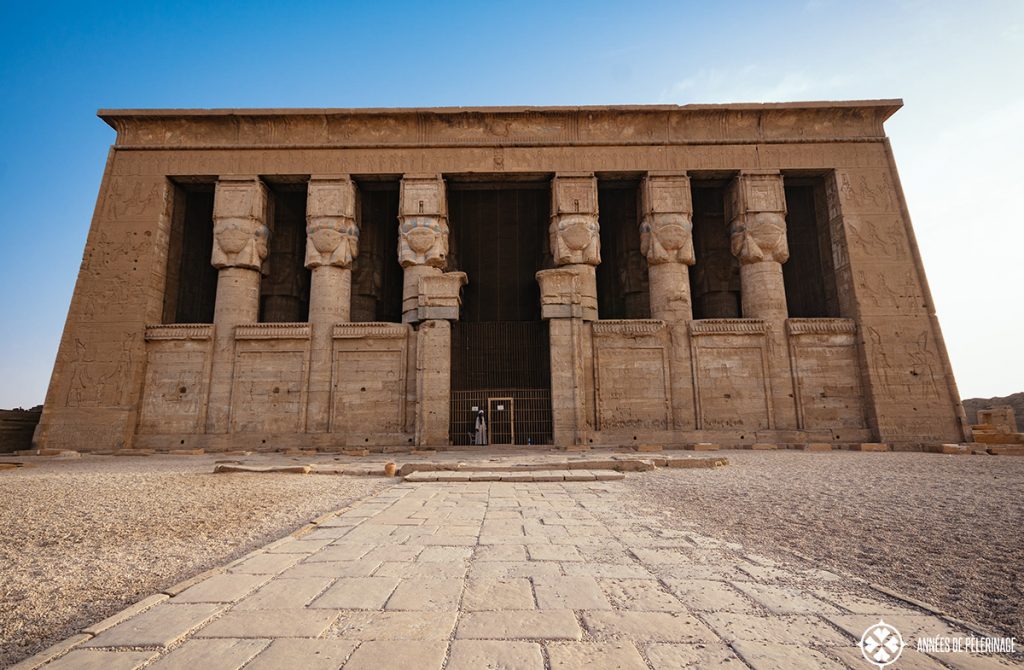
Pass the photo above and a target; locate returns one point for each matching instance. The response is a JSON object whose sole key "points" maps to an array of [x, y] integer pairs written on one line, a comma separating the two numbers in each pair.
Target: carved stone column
{"points": [[332, 243], [757, 230], [569, 299], [756, 211], [575, 233], [422, 236], [439, 298], [241, 230], [666, 239]]}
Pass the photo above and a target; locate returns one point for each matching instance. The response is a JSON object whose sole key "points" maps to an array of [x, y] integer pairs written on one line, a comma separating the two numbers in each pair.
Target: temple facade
{"points": [[336, 278]]}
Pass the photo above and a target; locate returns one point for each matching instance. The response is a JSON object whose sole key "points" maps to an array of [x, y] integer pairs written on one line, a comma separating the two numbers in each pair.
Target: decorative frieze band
{"points": [[728, 327], [179, 331], [272, 331], [376, 329], [628, 327], [820, 326]]}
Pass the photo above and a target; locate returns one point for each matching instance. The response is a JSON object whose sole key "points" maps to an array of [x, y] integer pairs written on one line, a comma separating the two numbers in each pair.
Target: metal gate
{"points": [[503, 369]]}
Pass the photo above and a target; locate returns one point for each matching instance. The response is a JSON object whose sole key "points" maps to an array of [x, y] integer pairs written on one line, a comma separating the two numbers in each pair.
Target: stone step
{"points": [[521, 476]]}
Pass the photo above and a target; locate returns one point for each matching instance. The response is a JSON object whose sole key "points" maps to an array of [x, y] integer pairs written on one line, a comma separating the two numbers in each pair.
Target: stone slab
{"points": [[394, 625], [519, 625], [357, 593], [713, 656], [648, 626], [291, 653], [159, 626], [385, 655], [295, 622], [96, 659], [494, 655], [212, 654], [589, 655]]}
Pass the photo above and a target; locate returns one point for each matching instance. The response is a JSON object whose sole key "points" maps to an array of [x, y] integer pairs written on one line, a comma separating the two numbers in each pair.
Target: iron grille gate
{"points": [[504, 369]]}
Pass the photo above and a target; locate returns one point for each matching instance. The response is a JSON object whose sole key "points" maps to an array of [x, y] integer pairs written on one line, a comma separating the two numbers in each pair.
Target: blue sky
{"points": [[956, 65]]}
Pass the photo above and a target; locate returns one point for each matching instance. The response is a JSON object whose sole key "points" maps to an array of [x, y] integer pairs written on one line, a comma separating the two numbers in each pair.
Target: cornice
{"points": [[625, 125]]}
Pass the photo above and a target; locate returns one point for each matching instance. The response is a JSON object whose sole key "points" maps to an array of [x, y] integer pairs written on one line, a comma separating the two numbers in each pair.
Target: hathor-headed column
{"points": [[568, 299], [242, 224], [666, 239], [757, 229], [422, 236], [575, 234], [332, 243]]}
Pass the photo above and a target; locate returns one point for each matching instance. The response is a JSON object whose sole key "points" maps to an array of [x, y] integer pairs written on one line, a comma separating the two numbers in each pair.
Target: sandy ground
{"points": [[947, 530], [82, 539]]}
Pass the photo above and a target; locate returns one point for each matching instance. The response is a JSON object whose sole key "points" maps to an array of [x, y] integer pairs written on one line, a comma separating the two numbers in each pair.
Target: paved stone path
{"points": [[478, 575]]}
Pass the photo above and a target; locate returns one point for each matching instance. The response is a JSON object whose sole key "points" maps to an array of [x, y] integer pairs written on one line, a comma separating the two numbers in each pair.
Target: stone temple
{"points": [[331, 278]]}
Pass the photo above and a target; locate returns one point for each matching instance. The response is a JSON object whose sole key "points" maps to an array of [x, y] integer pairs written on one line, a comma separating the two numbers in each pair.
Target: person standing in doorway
{"points": [[480, 426]]}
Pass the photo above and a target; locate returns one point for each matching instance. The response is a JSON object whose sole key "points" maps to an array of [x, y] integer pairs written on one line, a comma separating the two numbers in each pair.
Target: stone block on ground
{"points": [[870, 446], [264, 469], [816, 446]]}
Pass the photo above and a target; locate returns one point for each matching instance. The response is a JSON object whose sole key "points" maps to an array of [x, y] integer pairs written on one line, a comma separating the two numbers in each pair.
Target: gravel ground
{"points": [[82, 539], [947, 530]]}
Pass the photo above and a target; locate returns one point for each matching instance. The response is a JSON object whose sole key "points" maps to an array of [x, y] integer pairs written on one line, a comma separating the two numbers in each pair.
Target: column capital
{"points": [[423, 221], [568, 292], [574, 230], [756, 211], [440, 296], [666, 224], [240, 223], [332, 234]]}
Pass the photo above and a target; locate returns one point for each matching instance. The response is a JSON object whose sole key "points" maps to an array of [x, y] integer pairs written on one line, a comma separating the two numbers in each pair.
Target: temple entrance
{"points": [[500, 349]]}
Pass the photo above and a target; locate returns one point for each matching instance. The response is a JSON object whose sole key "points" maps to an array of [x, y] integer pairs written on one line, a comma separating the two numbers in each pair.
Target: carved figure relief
{"points": [[759, 236], [239, 243], [132, 201], [423, 240], [666, 238], [865, 236], [575, 238], [240, 234], [331, 241]]}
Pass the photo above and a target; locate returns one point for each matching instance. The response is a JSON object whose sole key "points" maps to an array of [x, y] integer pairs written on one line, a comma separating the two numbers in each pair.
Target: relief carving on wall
{"points": [[240, 233], [908, 376], [332, 235]]}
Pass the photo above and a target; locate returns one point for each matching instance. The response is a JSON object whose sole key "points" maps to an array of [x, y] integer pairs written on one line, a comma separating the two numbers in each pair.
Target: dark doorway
{"points": [[808, 275], [191, 286], [376, 274], [284, 291], [500, 348], [715, 277], [622, 287]]}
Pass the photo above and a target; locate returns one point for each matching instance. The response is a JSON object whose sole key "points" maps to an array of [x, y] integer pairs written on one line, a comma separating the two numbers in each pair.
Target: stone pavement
{"points": [[499, 575]]}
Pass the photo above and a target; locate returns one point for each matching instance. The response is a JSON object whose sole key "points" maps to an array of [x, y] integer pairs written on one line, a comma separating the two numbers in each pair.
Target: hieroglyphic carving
{"points": [[888, 290], [332, 236], [878, 238], [628, 327], [574, 232], [100, 382], [666, 226], [905, 372], [131, 198], [866, 189], [240, 232]]}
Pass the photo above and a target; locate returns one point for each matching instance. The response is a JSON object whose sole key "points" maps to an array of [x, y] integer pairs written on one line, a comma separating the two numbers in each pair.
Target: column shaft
{"points": [[240, 234], [332, 244]]}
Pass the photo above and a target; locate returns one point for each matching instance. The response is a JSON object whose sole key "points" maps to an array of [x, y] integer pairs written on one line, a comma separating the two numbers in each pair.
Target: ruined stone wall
{"points": [[122, 378]]}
